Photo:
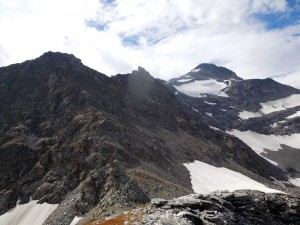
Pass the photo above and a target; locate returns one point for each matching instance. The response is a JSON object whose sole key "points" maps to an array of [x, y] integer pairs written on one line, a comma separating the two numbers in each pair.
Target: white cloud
{"points": [[269, 5], [167, 37], [292, 79]]}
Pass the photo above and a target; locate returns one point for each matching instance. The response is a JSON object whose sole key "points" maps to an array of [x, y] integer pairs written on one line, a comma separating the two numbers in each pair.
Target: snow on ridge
{"points": [[206, 178], [29, 213], [195, 70], [199, 88]]}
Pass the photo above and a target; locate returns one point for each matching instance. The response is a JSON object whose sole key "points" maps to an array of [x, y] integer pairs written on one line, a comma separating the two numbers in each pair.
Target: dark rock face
{"points": [[240, 207], [248, 94], [73, 136]]}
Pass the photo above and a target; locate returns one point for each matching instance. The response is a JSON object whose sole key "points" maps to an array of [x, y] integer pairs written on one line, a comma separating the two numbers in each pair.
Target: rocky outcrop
{"points": [[240, 207]]}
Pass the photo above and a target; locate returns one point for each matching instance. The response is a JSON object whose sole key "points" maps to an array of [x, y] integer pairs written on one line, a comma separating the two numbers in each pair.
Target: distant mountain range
{"points": [[88, 145]]}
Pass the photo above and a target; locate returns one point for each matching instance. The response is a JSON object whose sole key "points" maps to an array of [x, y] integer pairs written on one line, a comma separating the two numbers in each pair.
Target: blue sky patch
{"points": [[132, 40], [98, 26], [280, 20], [108, 2]]}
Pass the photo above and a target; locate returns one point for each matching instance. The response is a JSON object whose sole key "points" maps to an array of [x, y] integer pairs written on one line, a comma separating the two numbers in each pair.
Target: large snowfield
{"points": [[207, 178], [273, 106], [260, 142], [28, 214], [280, 104], [199, 88]]}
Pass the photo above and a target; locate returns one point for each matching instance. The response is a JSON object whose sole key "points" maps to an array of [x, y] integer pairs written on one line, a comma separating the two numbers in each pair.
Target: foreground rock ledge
{"points": [[239, 207]]}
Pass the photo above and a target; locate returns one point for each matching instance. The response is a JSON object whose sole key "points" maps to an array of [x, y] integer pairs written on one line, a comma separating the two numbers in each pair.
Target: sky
{"points": [[254, 38]]}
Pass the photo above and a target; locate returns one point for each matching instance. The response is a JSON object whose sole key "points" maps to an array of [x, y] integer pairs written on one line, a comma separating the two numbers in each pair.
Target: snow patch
{"points": [[214, 128], [260, 142], [183, 80], [75, 220], [224, 110], [274, 125], [223, 94], [295, 181], [297, 114], [195, 70], [229, 81], [210, 103], [206, 178], [200, 87], [209, 114], [195, 109], [244, 115], [29, 213], [274, 106], [280, 104]]}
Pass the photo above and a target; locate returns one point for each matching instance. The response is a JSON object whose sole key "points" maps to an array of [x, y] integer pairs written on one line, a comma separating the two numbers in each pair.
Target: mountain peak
{"points": [[206, 71], [141, 70], [58, 57], [142, 73]]}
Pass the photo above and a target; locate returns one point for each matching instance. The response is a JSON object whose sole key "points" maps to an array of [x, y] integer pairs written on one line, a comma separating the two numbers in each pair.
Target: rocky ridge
{"points": [[231, 208]]}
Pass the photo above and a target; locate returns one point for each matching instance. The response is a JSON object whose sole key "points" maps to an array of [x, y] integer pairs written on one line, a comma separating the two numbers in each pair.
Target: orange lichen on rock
{"points": [[122, 219], [118, 220]]}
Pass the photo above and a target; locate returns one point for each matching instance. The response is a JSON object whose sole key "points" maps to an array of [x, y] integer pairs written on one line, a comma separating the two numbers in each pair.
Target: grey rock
{"points": [[246, 207]]}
